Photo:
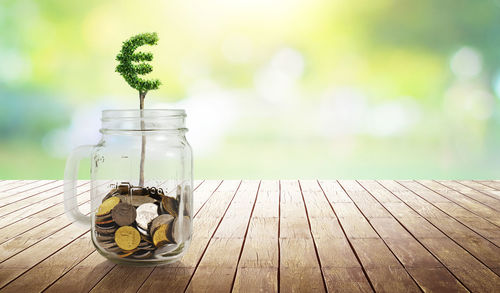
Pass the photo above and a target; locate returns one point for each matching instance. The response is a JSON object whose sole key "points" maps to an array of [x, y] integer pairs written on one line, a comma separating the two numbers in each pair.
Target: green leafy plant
{"points": [[130, 69]]}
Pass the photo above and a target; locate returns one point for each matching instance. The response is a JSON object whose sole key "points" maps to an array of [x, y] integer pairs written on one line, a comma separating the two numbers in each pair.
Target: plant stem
{"points": [[142, 95]]}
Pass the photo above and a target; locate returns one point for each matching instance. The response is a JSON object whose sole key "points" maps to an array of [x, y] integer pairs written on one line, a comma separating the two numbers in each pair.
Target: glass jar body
{"points": [[141, 197], [116, 161]]}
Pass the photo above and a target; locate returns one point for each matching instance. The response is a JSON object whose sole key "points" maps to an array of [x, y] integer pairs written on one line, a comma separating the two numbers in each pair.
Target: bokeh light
{"points": [[273, 89]]}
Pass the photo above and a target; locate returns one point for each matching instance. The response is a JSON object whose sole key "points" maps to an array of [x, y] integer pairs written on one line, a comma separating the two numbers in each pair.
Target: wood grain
{"points": [[454, 257], [272, 236]]}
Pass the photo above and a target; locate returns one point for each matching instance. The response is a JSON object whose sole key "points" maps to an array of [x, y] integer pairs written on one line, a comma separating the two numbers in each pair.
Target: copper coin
{"points": [[123, 214]]}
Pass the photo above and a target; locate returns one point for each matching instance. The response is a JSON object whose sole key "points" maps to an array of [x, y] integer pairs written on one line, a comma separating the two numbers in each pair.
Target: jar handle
{"points": [[70, 180]]}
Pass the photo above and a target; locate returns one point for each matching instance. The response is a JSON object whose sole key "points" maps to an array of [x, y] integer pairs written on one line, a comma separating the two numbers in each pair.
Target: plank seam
{"points": [[493, 197], [404, 227], [245, 236], [449, 236], [6, 284], [30, 189], [154, 268], [347, 239], [433, 254], [41, 200], [379, 237], [312, 236], [18, 186], [451, 216], [435, 191], [64, 273], [472, 198], [211, 237]]}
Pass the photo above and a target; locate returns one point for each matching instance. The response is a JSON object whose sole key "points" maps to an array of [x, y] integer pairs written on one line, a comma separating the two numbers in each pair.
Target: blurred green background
{"points": [[273, 89]]}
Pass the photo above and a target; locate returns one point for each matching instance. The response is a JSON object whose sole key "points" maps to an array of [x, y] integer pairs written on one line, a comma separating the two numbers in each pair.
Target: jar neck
{"points": [[143, 122]]}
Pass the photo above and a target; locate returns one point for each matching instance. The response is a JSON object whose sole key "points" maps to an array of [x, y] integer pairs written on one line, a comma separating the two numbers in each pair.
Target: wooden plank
{"points": [[95, 267], [473, 194], [5, 190], [36, 234], [361, 236], [341, 268], [41, 275], [16, 265], [60, 258], [221, 194], [481, 226], [220, 260], [44, 199], [448, 252], [483, 187], [83, 276], [5, 183], [257, 269], [458, 221], [20, 191], [32, 218], [299, 267], [408, 251], [495, 184], [472, 205]]}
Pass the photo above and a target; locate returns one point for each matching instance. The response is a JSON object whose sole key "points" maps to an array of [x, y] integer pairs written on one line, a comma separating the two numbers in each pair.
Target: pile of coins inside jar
{"points": [[139, 222]]}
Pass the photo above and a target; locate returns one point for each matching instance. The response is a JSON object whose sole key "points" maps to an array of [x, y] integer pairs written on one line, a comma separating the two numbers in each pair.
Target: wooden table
{"points": [[270, 236]]}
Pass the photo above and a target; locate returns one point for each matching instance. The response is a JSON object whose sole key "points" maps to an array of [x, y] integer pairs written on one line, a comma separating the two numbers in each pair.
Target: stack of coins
{"points": [[138, 222]]}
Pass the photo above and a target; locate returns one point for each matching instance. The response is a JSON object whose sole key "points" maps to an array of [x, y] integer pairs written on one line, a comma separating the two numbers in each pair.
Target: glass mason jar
{"points": [[141, 187]]}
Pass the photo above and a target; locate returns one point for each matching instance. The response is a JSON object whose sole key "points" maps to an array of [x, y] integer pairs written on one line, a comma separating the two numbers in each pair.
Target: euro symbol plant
{"points": [[130, 67]]}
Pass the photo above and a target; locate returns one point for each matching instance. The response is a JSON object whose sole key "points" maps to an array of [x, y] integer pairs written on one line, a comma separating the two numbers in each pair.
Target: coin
{"points": [[123, 214], [104, 238], [136, 200], [111, 193], [105, 230], [170, 205], [104, 222], [147, 238], [127, 238], [145, 214], [106, 217], [107, 206], [160, 236], [164, 219], [142, 254]]}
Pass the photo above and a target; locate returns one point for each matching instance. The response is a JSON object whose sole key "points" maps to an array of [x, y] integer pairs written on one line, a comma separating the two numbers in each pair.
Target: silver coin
{"points": [[145, 214], [143, 232], [166, 219]]}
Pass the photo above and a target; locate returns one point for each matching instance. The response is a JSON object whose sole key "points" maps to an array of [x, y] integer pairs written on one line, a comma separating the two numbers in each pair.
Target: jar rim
{"points": [[146, 113]]}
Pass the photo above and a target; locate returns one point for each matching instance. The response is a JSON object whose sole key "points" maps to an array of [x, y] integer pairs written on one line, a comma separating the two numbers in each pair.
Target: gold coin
{"points": [[107, 206], [160, 236], [127, 238]]}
